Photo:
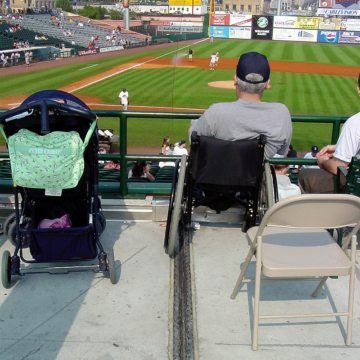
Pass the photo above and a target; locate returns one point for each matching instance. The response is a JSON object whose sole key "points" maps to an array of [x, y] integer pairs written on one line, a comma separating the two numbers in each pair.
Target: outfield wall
{"points": [[285, 28]]}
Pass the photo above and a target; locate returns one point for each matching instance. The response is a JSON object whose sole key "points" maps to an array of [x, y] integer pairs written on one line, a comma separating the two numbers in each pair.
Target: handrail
{"points": [[123, 157]]}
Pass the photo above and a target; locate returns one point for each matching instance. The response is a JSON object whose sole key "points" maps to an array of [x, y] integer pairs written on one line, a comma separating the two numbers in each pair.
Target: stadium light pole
{"points": [[126, 13], [210, 13]]}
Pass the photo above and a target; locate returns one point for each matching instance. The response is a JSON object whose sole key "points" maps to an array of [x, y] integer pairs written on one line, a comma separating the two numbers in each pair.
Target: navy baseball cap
{"points": [[314, 149], [253, 63]]}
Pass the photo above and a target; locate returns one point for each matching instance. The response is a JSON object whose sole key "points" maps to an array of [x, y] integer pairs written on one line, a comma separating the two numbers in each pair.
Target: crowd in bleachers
{"points": [[21, 44], [13, 29], [19, 31]]}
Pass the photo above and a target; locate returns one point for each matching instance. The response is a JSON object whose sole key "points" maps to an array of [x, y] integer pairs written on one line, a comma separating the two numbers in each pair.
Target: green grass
{"points": [[284, 51], [181, 87], [188, 87]]}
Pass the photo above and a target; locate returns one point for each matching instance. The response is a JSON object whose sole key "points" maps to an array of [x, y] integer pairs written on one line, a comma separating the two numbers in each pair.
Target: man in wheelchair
{"points": [[228, 146], [248, 117]]}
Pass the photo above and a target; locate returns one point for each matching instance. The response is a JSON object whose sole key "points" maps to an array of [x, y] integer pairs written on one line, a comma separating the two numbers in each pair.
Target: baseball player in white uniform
{"points": [[124, 98], [212, 61]]}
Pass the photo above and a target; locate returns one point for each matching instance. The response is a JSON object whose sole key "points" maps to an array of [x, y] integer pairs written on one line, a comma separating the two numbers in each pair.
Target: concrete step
{"points": [[148, 209]]}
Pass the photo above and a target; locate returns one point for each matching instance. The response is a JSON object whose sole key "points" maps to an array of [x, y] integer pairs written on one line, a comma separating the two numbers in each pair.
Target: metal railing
{"points": [[124, 116]]}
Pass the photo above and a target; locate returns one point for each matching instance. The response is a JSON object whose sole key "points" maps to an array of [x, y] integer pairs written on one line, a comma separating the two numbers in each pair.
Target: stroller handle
{"points": [[44, 105]]}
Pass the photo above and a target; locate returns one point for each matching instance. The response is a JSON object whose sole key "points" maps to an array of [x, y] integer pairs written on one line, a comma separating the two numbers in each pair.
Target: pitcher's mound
{"points": [[222, 84]]}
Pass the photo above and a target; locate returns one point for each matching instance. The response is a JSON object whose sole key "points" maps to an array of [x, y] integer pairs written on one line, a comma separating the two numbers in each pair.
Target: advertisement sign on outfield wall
{"points": [[327, 36], [325, 4], [239, 32], [306, 35], [240, 20], [304, 22], [262, 27], [184, 2], [349, 37], [287, 22], [284, 34], [350, 24], [87, 52], [329, 23], [346, 4], [178, 29], [337, 12], [219, 31], [111, 48], [295, 35], [220, 19]]}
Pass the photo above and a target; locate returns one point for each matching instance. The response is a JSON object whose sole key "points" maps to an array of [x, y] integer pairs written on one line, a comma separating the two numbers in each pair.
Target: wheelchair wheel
{"points": [[171, 242], [267, 193]]}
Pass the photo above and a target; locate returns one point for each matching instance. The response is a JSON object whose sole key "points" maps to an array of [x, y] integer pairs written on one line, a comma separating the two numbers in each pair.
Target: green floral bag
{"points": [[51, 161]]}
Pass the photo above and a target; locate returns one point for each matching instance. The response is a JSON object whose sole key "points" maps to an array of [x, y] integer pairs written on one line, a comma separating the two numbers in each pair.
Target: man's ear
{"points": [[268, 85], [235, 80], [358, 89]]}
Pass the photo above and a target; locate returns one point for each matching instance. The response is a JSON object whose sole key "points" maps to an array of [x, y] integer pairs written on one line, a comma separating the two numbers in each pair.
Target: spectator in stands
{"points": [[165, 147], [284, 185], [311, 155], [180, 148], [248, 117], [330, 157], [141, 169], [292, 153]]}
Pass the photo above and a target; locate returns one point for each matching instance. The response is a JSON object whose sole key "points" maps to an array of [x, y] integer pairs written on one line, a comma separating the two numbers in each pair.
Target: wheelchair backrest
{"points": [[223, 165]]}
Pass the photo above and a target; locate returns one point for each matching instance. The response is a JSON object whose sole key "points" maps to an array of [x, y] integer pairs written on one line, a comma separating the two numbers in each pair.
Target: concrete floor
{"points": [[83, 316], [224, 325]]}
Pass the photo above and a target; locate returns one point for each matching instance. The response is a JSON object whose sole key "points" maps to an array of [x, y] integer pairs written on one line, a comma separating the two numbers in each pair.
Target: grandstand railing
{"points": [[122, 188]]}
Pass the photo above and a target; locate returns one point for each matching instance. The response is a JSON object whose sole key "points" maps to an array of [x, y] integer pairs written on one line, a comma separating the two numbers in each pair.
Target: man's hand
{"points": [[328, 151]]}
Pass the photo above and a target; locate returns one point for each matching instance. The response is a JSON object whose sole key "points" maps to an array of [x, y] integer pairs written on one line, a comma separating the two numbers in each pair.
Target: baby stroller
{"points": [[53, 146]]}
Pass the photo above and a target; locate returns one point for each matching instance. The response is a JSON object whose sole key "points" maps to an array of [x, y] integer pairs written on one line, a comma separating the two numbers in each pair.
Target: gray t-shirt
{"points": [[244, 119]]}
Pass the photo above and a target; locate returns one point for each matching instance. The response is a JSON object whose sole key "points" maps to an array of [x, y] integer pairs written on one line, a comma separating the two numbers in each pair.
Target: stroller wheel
{"points": [[6, 269], [111, 266], [12, 233], [8, 221]]}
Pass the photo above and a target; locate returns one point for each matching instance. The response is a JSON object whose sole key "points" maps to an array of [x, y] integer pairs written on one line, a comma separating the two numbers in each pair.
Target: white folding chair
{"points": [[292, 241]]}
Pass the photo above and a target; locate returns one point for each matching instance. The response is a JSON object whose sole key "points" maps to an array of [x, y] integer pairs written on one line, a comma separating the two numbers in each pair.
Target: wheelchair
{"points": [[219, 174]]}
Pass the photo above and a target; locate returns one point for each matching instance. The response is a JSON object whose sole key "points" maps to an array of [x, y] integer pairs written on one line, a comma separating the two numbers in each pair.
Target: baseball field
{"points": [[309, 78]]}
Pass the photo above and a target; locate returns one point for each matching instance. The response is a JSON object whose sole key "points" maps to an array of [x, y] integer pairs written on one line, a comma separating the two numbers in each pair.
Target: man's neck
{"points": [[249, 97]]}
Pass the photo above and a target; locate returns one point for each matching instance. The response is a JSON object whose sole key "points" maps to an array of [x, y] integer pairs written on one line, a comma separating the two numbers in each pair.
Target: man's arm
{"points": [[201, 126], [330, 164]]}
